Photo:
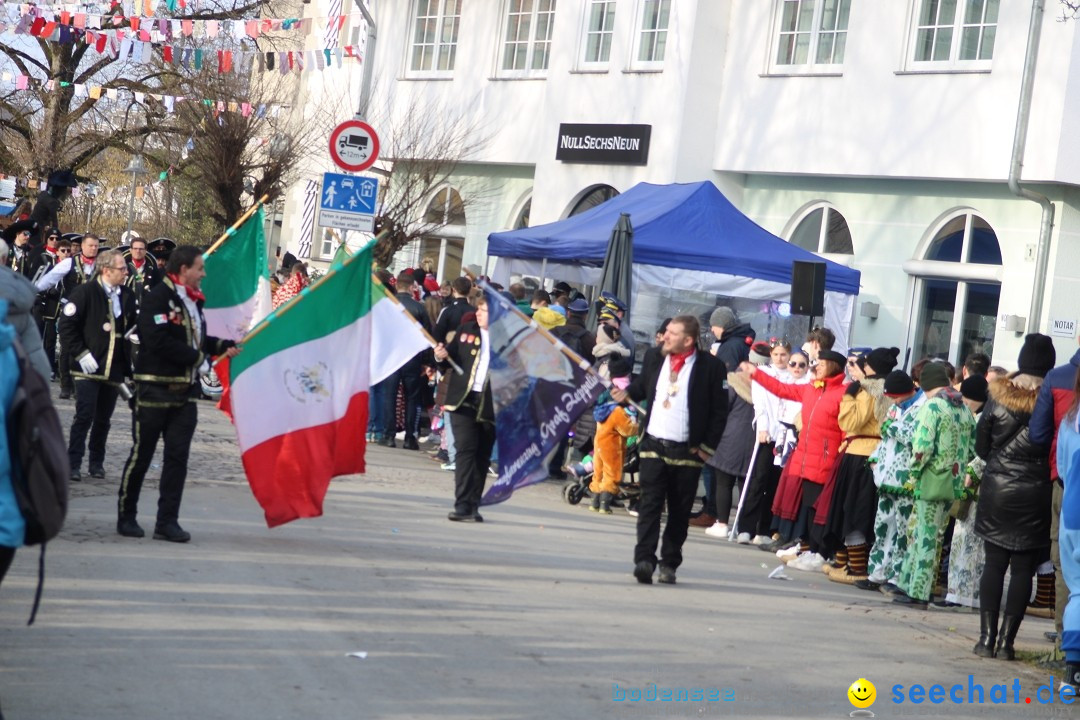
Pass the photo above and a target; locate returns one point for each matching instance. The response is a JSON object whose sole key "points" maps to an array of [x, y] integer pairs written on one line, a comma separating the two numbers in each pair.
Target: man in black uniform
{"points": [[143, 274], [47, 304], [69, 274], [408, 375], [174, 348], [92, 327]]}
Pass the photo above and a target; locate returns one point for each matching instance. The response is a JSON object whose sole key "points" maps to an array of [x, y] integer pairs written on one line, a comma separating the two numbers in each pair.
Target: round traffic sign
{"points": [[354, 146]]}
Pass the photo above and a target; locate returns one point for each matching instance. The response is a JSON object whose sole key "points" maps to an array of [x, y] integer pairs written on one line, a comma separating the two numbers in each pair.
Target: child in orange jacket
{"points": [[614, 424]]}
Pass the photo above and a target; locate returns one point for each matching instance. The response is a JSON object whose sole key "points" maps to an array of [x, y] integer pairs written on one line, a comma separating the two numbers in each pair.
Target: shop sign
{"points": [[604, 144]]}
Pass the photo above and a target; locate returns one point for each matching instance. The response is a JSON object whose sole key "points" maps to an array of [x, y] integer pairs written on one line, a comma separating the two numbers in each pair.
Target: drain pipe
{"points": [[1023, 114]]}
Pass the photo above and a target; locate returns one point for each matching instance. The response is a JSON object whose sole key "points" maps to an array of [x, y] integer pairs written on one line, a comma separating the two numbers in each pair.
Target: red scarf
{"points": [[138, 263], [191, 293], [677, 361]]}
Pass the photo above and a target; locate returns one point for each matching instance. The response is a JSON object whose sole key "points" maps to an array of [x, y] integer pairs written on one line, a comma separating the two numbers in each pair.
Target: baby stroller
{"points": [[629, 491]]}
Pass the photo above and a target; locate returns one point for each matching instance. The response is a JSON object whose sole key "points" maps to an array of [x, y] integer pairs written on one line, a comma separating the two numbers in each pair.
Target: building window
{"points": [[445, 208], [812, 32], [823, 230], [435, 36], [956, 316], [948, 31], [522, 219], [596, 195], [527, 45], [655, 15], [599, 29]]}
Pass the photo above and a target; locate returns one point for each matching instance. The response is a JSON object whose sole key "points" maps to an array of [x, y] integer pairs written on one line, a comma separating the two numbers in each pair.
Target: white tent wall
{"points": [[698, 286]]}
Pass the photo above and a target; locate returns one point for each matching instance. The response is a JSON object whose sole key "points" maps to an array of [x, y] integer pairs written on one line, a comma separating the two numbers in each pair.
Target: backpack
{"points": [[40, 468], [571, 336]]}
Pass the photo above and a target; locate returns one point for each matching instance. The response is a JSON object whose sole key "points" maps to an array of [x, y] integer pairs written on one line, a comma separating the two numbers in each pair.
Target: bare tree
{"points": [[424, 144], [1070, 9]]}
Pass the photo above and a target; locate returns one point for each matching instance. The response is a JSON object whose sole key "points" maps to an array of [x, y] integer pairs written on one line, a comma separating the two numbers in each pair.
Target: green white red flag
{"points": [[237, 285]]}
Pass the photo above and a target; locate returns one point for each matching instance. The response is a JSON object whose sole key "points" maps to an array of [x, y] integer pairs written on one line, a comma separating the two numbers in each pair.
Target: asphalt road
{"points": [[533, 614]]}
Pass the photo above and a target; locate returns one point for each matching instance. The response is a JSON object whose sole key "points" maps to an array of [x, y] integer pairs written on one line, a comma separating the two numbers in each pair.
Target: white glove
{"points": [[205, 367], [88, 364], [134, 338]]}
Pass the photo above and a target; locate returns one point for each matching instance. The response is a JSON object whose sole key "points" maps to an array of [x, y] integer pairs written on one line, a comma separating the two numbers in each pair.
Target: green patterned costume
{"points": [[943, 444]]}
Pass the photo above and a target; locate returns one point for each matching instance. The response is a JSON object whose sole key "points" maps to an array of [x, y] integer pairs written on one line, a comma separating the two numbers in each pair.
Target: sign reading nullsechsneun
{"points": [[606, 144]]}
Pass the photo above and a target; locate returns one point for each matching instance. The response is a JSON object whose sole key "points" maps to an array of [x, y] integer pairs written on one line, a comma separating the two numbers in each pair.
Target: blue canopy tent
{"points": [[687, 237]]}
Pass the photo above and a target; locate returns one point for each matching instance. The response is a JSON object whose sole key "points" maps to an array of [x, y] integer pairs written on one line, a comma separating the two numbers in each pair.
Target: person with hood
{"points": [[20, 295], [942, 445], [734, 338], [849, 519], [814, 458], [891, 463], [1013, 514], [607, 348], [1068, 465], [615, 424], [12, 524]]}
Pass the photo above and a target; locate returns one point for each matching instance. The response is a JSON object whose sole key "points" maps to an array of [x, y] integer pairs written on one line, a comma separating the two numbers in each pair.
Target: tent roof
{"points": [[688, 225]]}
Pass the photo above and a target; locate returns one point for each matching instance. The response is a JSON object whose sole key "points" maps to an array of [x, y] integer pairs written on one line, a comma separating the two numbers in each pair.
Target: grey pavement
{"points": [[533, 614]]}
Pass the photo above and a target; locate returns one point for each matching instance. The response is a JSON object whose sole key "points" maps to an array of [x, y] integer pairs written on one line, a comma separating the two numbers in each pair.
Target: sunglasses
{"points": [[796, 364], [852, 363]]}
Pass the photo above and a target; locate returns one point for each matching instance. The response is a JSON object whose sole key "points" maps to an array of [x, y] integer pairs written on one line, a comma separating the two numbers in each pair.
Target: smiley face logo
{"points": [[862, 693]]}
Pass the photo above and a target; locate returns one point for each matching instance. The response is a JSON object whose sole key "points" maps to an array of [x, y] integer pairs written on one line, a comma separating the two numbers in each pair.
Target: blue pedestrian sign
{"points": [[347, 202]]}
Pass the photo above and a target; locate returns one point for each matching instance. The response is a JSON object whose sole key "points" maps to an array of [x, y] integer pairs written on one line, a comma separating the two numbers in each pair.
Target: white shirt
{"points": [[672, 423], [482, 362], [113, 291], [52, 278], [193, 311]]}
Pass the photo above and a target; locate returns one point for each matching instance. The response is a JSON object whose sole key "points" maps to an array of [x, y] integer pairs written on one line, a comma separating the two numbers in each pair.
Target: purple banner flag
{"points": [[538, 393]]}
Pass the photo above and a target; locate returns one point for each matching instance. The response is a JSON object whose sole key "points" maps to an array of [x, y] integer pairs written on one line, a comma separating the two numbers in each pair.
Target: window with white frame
{"points": [[599, 30], [823, 229], [655, 15], [956, 33], [527, 43], [811, 33], [434, 37]]}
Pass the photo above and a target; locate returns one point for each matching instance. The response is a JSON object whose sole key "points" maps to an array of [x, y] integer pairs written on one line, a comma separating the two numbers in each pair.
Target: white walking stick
{"points": [[745, 486]]}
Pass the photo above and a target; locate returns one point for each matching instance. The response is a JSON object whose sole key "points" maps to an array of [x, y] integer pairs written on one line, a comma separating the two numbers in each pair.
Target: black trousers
{"points": [[94, 404], [725, 485], [7, 554], [63, 368], [991, 584], [756, 517], [408, 375], [669, 474], [474, 441], [174, 423], [47, 328]]}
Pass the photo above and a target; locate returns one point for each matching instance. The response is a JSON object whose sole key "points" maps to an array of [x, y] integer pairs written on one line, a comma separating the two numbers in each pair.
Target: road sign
{"points": [[348, 202], [354, 146]]}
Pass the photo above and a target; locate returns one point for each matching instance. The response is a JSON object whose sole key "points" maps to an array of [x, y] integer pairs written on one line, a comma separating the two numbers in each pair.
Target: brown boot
{"points": [[703, 520]]}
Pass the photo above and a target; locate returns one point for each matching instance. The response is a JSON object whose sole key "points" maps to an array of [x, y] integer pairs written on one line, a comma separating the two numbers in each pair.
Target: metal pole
{"points": [[89, 209], [369, 61], [131, 206]]}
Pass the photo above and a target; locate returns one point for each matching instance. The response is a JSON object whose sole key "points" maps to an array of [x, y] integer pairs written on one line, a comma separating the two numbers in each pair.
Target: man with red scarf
{"points": [[687, 404], [143, 275], [174, 349]]}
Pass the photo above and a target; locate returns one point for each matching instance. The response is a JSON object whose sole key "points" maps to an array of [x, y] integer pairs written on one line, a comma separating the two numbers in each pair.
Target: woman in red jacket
{"points": [[815, 455]]}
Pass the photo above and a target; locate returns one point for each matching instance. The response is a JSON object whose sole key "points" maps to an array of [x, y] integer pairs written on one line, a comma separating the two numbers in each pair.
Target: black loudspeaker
{"points": [[808, 288]]}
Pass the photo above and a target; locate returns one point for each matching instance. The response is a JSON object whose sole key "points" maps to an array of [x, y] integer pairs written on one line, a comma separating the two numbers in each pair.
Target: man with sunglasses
{"points": [[93, 325], [47, 305]]}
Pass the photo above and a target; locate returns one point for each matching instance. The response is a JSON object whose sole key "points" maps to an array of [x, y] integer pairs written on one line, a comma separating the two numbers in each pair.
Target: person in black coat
{"points": [[451, 315], [1013, 511], [93, 325], [735, 338], [687, 410], [409, 376]]}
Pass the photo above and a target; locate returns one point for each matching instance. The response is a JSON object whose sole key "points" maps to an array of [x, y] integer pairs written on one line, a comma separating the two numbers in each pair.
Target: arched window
{"points": [[522, 219], [592, 197], [442, 248], [446, 208], [823, 230], [956, 291]]}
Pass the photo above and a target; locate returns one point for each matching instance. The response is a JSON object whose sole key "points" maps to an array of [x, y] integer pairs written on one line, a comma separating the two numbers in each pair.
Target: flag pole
{"points": [[236, 225], [430, 339]]}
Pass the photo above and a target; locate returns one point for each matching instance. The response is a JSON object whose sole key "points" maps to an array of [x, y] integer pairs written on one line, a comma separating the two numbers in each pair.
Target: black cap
{"points": [[1037, 357], [833, 356], [974, 388], [899, 383]]}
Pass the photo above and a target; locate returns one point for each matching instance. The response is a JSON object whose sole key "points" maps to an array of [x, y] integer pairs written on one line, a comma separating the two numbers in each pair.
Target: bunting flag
{"points": [[237, 285], [298, 393], [538, 394]]}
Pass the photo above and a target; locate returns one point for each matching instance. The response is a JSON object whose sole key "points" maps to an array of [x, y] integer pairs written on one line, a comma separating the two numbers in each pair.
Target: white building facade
{"points": [[876, 133]]}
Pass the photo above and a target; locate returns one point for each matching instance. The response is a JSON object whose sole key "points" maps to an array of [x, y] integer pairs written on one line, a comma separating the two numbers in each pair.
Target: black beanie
{"points": [[619, 366], [1038, 356], [974, 388], [899, 382], [883, 360]]}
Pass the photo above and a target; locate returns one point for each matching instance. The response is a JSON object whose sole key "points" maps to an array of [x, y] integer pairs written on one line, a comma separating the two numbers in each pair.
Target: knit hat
{"points": [[619, 366], [1037, 357], [723, 317], [974, 388], [933, 376], [883, 360], [760, 354], [898, 383]]}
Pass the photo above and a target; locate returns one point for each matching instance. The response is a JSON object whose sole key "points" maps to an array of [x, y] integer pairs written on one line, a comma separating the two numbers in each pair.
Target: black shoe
{"points": [[643, 572], [388, 442], [455, 516], [988, 630], [65, 394], [778, 545], [666, 575], [76, 476], [1072, 674], [127, 527], [98, 473], [868, 585], [171, 532], [410, 443], [889, 590], [902, 599]]}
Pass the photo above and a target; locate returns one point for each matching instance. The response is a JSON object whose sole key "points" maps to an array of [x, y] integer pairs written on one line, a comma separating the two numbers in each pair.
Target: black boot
{"points": [[605, 503], [1010, 625], [988, 630]]}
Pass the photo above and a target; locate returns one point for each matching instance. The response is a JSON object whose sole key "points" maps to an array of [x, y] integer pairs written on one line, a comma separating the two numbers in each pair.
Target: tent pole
{"points": [[543, 273]]}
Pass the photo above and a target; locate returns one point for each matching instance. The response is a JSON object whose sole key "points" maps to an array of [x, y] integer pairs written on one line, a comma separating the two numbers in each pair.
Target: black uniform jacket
{"points": [[48, 301], [87, 325], [144, 280], [465, 350], [171, 347], [450, 318], [707, 396]]}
